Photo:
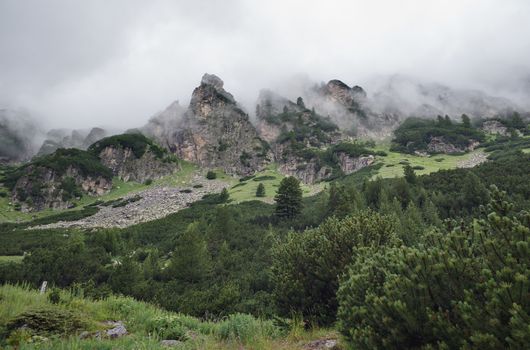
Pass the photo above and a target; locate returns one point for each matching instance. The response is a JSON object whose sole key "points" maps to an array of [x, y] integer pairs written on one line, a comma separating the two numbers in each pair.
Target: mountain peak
{"points": [[213, 80]]}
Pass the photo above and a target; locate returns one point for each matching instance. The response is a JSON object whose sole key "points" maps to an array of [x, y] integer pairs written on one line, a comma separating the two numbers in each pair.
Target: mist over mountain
{"points": [[69, 73]]}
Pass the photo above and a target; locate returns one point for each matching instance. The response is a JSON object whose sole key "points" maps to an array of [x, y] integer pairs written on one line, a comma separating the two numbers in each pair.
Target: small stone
{"points": [[119, 330], [171, 343], [84, 335], [322, 344]]}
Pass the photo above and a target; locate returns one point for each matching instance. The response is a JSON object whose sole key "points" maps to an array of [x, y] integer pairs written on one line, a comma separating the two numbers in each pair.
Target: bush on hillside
{"points": [[466, 288]]}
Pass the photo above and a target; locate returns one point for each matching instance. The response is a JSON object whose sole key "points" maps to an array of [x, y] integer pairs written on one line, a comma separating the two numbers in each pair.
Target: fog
{"points": [[78, 64]]}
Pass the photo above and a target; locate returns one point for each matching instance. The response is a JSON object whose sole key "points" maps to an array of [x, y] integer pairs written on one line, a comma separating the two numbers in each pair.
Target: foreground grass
{"points": [[147, 325]]}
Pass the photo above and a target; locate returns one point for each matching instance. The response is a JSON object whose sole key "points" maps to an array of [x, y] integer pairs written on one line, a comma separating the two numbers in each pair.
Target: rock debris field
{"points": [[474, 160], [154, 203]]}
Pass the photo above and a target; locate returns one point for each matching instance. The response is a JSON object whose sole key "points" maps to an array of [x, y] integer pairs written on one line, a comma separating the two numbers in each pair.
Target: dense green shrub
{"points": [[48, 321], [211, 175], [414, 134], [306, 268], [466, 288], [136, 142]]}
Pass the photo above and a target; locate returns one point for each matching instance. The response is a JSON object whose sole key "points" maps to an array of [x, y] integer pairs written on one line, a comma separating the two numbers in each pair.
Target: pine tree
{"points": [[224, 196], [300, 102], [191, 260], [409, 174], [260, 191], [289, 198], [466, 122]]}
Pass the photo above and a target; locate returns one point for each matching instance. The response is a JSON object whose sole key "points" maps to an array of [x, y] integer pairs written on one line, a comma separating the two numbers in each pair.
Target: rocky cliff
{"points": [[56, 180], [314, 169], [213, 132], [304, 142], [134, 157], [350, 108]]}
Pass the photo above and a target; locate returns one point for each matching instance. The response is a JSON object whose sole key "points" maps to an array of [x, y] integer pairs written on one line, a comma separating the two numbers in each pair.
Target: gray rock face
{"points": [[118, 329], [311, 171], [351, 110], [46, 191], [277, 117], [216, 133], [163, 125], [495, 127], [125, 165], [439, 145], [352, 164]]}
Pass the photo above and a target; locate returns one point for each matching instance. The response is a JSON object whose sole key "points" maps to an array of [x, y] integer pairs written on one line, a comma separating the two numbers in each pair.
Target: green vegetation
{"points": [[288, 198], [307, 266], [136, 142], [414, 134], [514, 122], [330, 156], [424, 260], [57, 326], [60, 162], [393, 163], [260, 190], [211, 175], [465, 288]]}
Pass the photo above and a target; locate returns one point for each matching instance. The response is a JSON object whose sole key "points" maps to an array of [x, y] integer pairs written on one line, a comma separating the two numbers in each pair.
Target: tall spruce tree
{"points": [[260, 191], [289, 198]]}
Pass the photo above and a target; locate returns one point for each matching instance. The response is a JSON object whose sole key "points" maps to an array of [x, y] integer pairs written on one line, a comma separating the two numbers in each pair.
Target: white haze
{"points": [[116, 63]]}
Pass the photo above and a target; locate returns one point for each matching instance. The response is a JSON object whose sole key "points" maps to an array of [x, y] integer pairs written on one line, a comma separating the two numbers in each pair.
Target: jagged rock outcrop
{"points": [[312, 170], [299, 138], [18, 134], [279, 119], [55, 180], [495, 127], [64, 138], [350, 109], [133, 157], [163, 125], [213, 132], [439, 145]]}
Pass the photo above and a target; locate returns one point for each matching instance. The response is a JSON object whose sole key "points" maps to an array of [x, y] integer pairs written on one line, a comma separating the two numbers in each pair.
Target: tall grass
{"points": [[146, 324]]}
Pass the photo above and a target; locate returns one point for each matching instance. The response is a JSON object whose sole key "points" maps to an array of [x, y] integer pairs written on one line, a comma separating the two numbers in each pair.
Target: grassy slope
{"points": [[139, 319], [391, 166], [271, 178]]}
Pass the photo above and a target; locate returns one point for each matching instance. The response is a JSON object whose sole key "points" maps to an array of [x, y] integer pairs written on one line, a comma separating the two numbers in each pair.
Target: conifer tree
{"points": [[409, 174], [191, 260], [289, 198], [260, 191]]}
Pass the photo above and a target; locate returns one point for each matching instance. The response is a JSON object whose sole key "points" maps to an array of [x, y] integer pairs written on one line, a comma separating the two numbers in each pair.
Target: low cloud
{"points": [[116, 63]]}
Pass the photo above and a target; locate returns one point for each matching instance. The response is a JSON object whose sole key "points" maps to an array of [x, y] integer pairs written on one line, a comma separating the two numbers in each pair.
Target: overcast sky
{"points": [[80, 63]]}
